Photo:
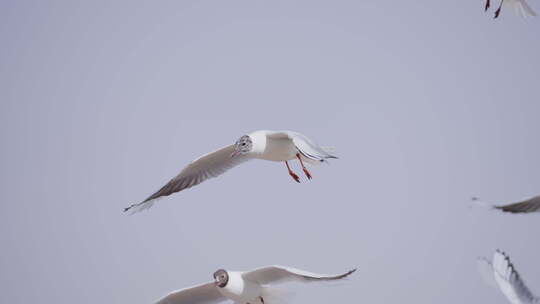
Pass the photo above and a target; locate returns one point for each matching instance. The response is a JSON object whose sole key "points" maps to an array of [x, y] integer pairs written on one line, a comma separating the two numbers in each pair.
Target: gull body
{"points": [[277, 146], [268, 147], [501, 273], [240, 290], [245, 287]]}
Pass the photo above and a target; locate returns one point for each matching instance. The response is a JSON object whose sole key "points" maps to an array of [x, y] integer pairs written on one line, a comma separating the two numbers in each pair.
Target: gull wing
{"points": [[281, 274], [200, 294], [510, 282], [205, 167]]}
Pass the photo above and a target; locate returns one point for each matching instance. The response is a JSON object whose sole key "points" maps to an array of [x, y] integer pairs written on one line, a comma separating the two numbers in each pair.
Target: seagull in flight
{"points": [[250, 287], [500, 273], [520, 7], [527, 206], [278, 146]]}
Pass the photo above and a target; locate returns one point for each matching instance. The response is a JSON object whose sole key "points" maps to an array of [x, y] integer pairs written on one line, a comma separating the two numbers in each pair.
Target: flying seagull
{"points": [[279, 146], [520, 7], [507, 279], [526, 206], [249, 287]]}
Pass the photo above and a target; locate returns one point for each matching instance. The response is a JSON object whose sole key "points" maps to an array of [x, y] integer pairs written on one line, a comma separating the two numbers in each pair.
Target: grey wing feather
{"points": [[281, 274], [527, 206], [510, 282], [201, 294], [205, 167]]}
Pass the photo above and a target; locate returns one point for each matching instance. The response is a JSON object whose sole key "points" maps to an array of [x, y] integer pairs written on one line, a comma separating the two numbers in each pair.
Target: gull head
{"points": [[221, 278], [242, 146]]}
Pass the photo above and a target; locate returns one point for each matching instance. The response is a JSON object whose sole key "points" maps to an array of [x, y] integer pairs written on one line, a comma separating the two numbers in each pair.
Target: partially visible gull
{"points": [[520, 7], [250, 287], [526, 206], [507, 279]]}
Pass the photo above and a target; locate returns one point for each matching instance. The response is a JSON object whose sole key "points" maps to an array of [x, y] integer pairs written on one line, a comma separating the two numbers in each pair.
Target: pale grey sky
{"points": [[426, 102]]}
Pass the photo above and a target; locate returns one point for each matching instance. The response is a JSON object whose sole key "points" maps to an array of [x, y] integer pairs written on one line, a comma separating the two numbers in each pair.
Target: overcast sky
{"points": [[427, 103]]}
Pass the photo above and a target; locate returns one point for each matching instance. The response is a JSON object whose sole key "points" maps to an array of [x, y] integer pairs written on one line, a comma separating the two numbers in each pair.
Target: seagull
{"points": [[526, 206], [249, 287], [507, 279], [278, 146], [520, 7]]}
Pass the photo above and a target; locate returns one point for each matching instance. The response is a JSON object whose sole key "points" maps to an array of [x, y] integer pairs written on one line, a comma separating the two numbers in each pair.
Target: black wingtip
{"points": [[129, 208], [348, 273]]}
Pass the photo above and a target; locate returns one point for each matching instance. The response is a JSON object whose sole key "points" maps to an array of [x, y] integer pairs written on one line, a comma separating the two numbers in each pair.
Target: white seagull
{"points": [[526, 206], [507, 279], [249, 287], [520, 7], [279, 146]]}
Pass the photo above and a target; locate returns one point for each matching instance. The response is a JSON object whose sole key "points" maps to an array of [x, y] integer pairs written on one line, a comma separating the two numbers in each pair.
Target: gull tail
{"points": [[272, 295], [328, 149], [135, 208]]}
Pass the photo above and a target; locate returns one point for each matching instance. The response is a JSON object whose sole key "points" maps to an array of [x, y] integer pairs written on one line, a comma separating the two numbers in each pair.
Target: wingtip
{"points": [[501, 252], [126, 209], [348, 273], [130, 208]]}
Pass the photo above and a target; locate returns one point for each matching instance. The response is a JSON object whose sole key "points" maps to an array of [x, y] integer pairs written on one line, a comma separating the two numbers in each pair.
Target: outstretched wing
{"points": [[281, 274], [201, 294], [510, 282], [207, 166]]}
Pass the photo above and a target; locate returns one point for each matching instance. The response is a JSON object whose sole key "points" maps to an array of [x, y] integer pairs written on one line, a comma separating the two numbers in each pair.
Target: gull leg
{"points": [[262, 300], [487, 5], [498, 11], [303, 167], [294, 176]]}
